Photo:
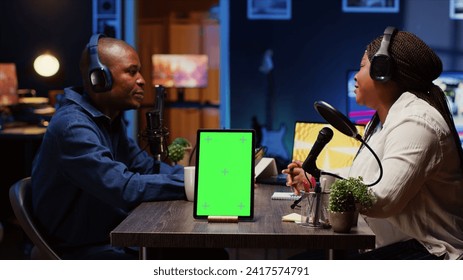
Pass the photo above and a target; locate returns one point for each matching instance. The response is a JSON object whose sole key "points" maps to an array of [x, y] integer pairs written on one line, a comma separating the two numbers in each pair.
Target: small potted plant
{"points": [[364, 197], [179, 151], [346, 197]]}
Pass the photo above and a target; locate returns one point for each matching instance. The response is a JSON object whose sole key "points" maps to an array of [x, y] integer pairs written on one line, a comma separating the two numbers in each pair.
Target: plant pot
{"points": [[342, 221], [356, 214]]}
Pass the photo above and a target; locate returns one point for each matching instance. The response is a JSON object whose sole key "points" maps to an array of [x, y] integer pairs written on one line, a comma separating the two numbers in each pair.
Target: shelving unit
{"points": [[107, 17]]}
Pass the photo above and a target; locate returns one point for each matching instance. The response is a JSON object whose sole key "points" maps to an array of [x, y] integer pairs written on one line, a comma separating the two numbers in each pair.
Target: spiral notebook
{"points": [[285, 196]]}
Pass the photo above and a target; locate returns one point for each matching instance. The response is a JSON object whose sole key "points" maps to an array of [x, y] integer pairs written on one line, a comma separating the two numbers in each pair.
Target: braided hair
{"points": [[415, 67]]}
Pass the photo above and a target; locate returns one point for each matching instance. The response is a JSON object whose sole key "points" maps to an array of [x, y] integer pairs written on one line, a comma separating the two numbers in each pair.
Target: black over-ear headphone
{"points": [[98, 74], [382, 64]]}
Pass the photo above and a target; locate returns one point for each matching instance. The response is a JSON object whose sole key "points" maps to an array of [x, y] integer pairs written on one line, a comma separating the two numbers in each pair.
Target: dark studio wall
{"points": [[313, 52], [28, 28]]}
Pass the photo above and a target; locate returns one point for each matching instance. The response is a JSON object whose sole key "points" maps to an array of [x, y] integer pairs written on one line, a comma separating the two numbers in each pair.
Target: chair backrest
{"points": [[20, 199], [1, 232]]}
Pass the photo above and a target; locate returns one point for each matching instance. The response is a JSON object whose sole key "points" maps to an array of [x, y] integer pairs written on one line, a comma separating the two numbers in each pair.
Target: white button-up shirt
{"points": [[421, 192]]}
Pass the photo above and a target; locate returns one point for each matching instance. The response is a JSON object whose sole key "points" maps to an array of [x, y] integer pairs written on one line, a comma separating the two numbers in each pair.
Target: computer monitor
{"points": [[180, 70], [336, 156], [8, 84], [451, 83]]}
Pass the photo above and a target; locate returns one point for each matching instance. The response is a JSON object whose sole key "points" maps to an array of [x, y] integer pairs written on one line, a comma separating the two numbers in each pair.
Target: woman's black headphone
{"points": [[98, 74], [382, 64]]}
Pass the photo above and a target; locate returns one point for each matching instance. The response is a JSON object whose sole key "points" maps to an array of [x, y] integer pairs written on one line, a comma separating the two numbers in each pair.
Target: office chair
{"points": [[20, 199]]}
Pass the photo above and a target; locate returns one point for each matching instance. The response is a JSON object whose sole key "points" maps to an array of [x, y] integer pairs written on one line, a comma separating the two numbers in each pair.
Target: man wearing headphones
{"points": [[88, 174], [419, 200]]}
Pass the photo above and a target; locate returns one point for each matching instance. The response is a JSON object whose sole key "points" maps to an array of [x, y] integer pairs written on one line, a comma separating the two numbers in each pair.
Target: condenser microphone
{"points": [[310, 166], [156, 133]]}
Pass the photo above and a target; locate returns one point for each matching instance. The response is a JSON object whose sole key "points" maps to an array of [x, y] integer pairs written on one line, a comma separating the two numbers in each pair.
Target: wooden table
{"points": [[28, 137], [171, 224]]}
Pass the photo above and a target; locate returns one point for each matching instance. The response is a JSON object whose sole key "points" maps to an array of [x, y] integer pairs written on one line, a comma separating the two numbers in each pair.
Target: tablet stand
{"points": [[222, 219], [266, 168]]}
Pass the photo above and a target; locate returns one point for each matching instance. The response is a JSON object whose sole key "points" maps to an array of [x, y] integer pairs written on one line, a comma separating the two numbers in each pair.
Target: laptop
{"points": [[224, 181], [336, 156]]}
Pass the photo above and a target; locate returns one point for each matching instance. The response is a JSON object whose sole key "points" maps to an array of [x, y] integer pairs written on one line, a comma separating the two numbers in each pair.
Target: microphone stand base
{"points": [[316, 225]]}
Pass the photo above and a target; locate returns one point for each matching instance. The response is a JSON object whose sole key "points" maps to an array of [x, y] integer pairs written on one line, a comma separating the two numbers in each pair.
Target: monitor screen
{"points": [[8, 84], [451, 83], [180, 70]]}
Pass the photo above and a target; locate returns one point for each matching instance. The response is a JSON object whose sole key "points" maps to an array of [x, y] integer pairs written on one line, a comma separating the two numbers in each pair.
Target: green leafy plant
{"points": [[176, 152], [182, 142], [177, 149], [364, 197], [346, 193]]}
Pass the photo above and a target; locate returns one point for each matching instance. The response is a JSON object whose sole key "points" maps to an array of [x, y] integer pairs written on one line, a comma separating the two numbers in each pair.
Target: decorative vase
{"points": [[342, 221]]}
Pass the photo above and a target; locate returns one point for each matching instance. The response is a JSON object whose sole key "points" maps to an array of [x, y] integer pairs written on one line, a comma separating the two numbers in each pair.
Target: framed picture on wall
{"points": [[370, 6], [269, 9], [456, 9]]}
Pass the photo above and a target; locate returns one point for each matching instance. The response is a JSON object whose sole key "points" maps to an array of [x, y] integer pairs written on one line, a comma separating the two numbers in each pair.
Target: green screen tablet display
{"points": [[224, 173]]}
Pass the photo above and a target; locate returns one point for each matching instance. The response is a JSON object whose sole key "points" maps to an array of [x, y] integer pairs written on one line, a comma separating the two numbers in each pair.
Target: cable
{"points": [[377, 160]]}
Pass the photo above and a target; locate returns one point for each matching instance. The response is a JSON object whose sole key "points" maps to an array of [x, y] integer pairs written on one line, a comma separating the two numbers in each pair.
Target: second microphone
{"points": [[310, 166]]}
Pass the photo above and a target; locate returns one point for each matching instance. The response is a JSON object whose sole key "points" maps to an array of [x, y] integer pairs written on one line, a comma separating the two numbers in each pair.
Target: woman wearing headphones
{"points": [[419, 209]]}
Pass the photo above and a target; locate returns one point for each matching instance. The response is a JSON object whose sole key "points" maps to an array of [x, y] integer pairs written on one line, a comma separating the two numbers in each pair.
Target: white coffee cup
{"points": [[189, 175], [326, 181]]}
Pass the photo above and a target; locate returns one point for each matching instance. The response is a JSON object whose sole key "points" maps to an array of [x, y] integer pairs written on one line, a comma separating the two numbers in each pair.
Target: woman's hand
{"points": [[297, 179]]}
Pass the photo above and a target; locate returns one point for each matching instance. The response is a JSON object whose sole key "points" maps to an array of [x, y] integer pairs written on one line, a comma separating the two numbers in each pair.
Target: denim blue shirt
{"points": [[88, 175]]}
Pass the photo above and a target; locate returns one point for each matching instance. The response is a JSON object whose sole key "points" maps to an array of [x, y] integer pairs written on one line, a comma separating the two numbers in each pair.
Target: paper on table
{"points": [[293, 217]]}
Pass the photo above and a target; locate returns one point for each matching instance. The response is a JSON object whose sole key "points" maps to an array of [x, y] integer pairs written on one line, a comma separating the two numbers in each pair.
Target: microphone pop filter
{"points": [[345, 126], [336, 119]]}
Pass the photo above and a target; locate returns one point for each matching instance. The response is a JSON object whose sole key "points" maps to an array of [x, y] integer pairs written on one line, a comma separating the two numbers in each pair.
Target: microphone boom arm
{"points": [[377, 159], [345, 126]]}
